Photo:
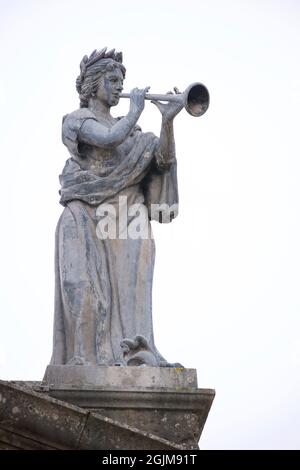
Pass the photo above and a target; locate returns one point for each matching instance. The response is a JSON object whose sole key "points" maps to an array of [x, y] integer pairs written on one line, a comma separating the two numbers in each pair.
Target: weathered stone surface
{"points": [[161, 401], [121, 377], [178, 416], [31, 420], [133, 407]]}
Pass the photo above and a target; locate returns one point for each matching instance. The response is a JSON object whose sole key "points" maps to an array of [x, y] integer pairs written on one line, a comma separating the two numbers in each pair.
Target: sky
{"points": [[227, 276]]}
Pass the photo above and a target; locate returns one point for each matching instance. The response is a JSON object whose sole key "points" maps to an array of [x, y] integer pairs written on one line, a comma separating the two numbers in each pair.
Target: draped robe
{"points": [[103, 287]]}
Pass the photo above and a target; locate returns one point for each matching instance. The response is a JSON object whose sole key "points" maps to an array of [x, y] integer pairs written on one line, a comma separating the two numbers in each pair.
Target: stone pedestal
{"points": [[121, 377], [31, 420], [163, 402]]}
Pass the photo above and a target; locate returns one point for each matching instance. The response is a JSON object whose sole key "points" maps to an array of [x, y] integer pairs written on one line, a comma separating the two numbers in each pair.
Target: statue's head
{"points": [[101, 75]]}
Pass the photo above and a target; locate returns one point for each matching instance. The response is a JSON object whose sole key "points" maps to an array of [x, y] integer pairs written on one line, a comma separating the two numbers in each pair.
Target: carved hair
{"points": [[92, 68]]}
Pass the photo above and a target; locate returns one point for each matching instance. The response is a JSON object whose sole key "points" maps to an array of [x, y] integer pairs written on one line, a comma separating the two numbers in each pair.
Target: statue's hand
{"points": [[171, 109], [137, 100]]}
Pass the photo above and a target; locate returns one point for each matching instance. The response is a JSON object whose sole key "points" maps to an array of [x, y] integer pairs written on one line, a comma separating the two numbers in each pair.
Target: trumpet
{"points": [[195, 98]]}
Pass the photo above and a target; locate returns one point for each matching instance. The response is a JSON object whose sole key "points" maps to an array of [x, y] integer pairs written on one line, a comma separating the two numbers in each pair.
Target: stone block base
{"points": [[121, 377], [162, 402]]}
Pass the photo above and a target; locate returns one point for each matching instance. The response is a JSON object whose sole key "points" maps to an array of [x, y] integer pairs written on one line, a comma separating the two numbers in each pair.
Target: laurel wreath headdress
{"points": [[91, 69]]}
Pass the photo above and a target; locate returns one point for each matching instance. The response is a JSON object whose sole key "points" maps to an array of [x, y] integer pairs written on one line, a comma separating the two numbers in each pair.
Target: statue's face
{"points": [[110, 87]]}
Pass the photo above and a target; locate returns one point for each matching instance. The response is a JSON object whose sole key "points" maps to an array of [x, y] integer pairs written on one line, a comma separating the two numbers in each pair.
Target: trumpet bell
{"points": [[196, 99]]}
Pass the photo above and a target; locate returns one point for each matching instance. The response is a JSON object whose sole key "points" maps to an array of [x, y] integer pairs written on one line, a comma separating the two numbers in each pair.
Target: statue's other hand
{"points": [[172, 108], [137, 99]]}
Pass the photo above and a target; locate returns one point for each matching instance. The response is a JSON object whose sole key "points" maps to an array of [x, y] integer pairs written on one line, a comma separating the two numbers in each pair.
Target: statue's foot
{"points": [[78, 361]]}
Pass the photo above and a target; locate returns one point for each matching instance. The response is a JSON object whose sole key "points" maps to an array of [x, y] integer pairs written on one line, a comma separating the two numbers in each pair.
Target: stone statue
{"points": [[103, 278]]}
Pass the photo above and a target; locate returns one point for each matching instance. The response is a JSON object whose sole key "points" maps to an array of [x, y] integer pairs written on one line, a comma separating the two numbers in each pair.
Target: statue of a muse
{"points": [[115, 182]]}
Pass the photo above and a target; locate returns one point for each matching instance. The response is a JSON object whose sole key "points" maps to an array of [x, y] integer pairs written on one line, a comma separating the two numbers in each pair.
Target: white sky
{"points": [[227, 276]]}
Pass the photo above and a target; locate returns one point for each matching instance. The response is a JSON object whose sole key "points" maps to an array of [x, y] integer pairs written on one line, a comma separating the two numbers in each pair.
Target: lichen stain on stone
{"points": [[15, 410], [2, 398]]}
